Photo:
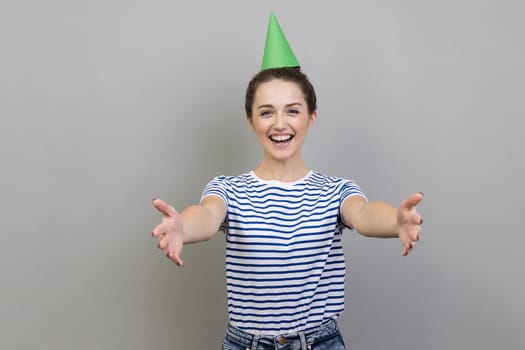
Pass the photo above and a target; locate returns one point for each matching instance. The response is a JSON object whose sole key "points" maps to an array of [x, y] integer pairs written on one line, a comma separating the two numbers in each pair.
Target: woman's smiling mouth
{"points": [[281, 138]]}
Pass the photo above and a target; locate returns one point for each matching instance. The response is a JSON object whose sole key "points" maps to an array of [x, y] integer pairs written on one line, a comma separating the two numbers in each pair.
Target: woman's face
{"points": [[280, 119]]}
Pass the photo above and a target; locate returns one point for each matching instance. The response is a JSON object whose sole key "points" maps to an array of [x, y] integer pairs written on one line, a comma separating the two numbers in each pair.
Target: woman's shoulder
{"points": [[321, 177], [234, 180], [331, 184]]}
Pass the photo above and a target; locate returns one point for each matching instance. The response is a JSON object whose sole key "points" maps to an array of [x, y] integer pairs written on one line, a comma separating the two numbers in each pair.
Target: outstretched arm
{"points": [[196, 223], [380, 219]]}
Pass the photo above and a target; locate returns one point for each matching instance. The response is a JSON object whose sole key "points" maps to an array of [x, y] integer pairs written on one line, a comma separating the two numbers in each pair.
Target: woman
{"points": [[283, 222]]}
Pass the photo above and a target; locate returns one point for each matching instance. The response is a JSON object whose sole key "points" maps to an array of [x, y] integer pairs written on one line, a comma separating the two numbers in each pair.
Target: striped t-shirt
{"points": [[285, 268]]}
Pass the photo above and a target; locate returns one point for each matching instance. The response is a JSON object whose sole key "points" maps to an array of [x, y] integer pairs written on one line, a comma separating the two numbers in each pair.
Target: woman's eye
{"points": [[266, 113], [293, 111]]}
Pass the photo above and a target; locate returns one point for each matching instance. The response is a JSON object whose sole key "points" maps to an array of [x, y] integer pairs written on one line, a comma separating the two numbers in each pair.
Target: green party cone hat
{"points": [[277, 51]]}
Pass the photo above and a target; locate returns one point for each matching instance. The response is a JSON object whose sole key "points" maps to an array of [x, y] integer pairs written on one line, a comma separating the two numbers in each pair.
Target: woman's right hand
{"points": [[169, 232]]}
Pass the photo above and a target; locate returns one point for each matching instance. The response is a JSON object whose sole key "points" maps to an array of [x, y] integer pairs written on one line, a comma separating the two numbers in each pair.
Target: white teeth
{"points": [[281, 138]]}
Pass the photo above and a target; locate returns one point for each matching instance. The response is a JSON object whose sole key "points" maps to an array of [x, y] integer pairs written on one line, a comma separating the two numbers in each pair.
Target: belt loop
{"points": [[255, 341], [302, 338]]}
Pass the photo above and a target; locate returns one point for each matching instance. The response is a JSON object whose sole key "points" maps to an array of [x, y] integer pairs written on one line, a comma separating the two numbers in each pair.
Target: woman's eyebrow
{"points": [[265, 106], [286, 105]]}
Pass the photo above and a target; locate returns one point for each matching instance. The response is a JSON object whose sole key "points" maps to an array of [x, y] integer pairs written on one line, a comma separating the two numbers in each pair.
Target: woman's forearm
{"points": [[201, 222], [376, 219]]}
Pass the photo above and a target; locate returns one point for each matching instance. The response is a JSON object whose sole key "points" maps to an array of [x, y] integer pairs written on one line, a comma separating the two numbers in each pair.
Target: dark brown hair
{"points": [[293, 75]]}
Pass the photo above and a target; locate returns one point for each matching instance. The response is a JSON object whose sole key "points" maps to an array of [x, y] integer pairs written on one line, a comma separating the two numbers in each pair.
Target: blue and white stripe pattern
{"points": [[285, 268]]}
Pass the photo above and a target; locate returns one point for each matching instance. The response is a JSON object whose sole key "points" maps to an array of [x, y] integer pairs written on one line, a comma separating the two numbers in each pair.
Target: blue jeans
{"points": [[326, 337]]}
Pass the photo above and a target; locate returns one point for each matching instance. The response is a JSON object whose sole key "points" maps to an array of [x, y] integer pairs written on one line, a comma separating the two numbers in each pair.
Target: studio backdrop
{"points": [[105, 105]]}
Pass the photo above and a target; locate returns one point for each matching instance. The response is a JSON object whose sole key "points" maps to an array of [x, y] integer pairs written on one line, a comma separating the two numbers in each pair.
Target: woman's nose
{"points": [[280, 120]]}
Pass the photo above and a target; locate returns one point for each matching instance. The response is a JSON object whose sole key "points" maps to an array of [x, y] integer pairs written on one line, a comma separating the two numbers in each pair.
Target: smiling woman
{"points": [[283, 223], [280, 116]]}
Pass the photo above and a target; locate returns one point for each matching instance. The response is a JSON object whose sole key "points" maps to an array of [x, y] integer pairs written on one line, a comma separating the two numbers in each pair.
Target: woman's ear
{"points": [[250, 121], [313, 117]]}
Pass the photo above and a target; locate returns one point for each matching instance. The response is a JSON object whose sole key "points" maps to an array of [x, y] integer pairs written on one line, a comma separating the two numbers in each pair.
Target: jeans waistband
{"points": [[299, 340]]}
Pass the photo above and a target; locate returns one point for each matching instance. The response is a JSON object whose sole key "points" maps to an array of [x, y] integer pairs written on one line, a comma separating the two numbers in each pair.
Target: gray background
{"points": [[107, 104]]}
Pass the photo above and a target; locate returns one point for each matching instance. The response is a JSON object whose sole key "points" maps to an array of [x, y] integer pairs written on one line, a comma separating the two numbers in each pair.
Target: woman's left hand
{"points": [[409, 222]]}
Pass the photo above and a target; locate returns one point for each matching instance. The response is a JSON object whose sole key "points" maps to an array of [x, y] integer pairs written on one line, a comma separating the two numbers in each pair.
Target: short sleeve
{"points": [[216, 187], [348, 189]]}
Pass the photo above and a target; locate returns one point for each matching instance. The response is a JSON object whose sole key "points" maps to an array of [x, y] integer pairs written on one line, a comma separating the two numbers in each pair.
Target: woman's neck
{"points": [[281, 171]]}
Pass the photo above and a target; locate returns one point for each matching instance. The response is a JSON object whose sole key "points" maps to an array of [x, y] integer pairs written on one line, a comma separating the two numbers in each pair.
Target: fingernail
{"points": [[153, 200], [422, 194]]}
